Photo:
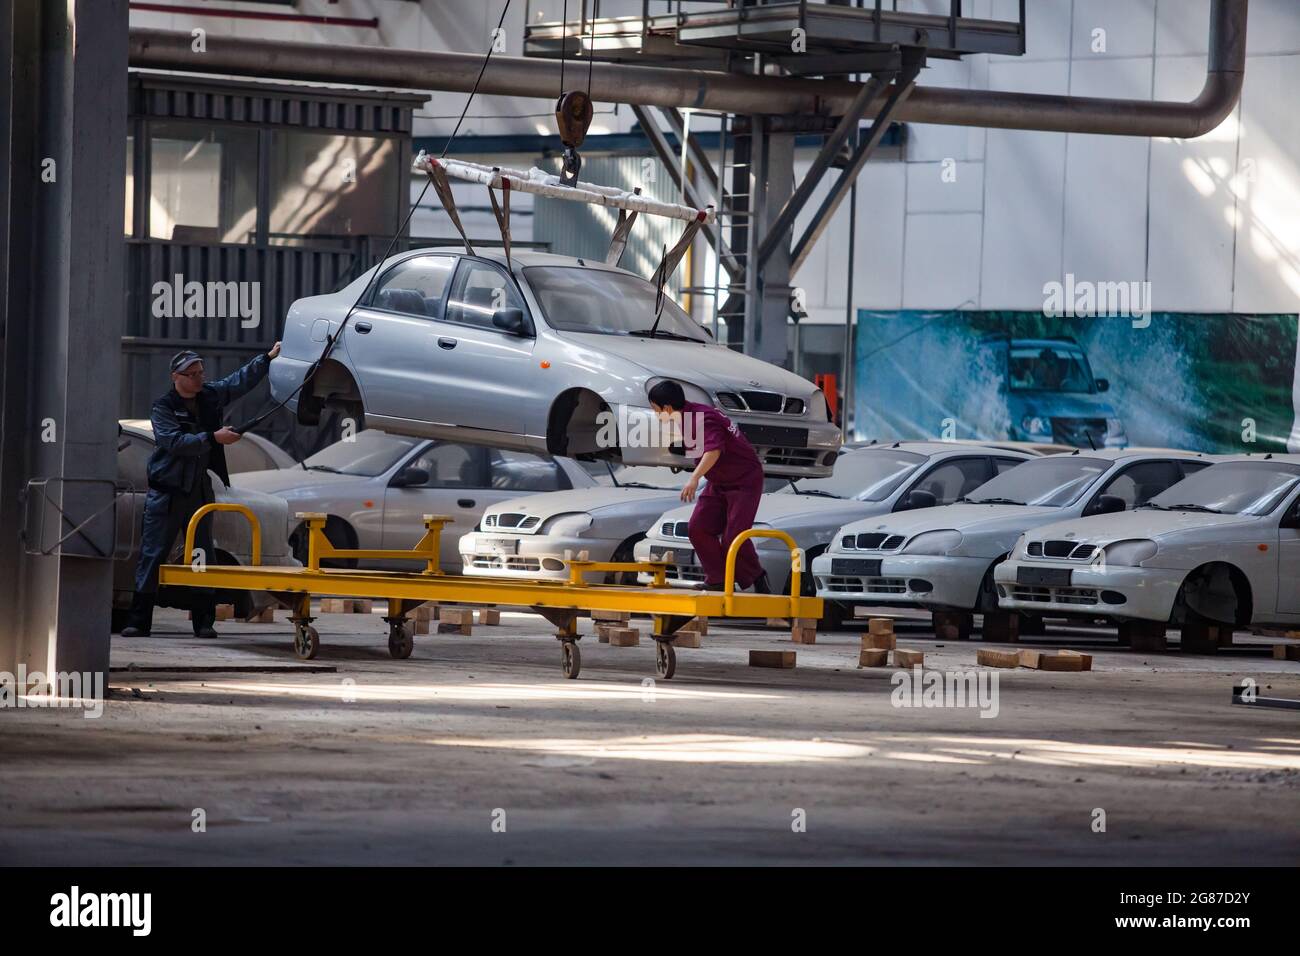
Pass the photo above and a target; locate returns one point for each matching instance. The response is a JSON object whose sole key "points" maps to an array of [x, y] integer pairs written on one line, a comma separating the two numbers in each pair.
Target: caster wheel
{"points": [[401, 639], [665, 659], [571, 659], [306, 641]]}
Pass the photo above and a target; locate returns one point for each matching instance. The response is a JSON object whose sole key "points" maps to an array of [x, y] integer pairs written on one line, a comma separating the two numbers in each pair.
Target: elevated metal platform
{"points": [[835, 39], [560, 602]]}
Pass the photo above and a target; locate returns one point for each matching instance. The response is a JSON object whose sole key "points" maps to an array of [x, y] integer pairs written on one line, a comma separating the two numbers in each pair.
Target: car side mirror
{"points": [[509, 320], [408, 477], [1103, 385], [1106, 505], [918, 499]]}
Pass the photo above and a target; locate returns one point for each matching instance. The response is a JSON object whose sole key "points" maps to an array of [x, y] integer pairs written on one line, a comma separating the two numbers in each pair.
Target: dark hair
{"points": [[668, 394]]}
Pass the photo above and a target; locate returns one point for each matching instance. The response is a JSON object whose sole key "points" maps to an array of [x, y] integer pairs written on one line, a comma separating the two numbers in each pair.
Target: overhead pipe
{"points": [[719, 92]]}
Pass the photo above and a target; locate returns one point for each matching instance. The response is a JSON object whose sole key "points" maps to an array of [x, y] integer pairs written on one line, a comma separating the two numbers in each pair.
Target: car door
{"points": [[453, 482], [391, 341], [1138, 483], [952, 478], [1288, 560], [499, 387]]}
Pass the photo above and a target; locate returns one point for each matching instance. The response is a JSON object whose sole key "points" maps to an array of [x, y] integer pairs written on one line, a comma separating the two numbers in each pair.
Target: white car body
{"points": [[1238, 569], [939, 558], [535, 537], [812, 520]]}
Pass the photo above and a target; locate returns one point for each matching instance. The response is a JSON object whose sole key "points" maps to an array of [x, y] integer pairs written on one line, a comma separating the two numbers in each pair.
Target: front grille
{"points": [[1069, 550], [511, 519], [1052, 595], [670, 529], [684, 572], [771, 403], [886, 586], [763, 401], [790, 456], [873, 541], [1077, 431]]}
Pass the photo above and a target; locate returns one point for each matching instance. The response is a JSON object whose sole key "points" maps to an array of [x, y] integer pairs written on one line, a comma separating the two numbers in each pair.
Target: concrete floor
{"points": [[710, 767]]}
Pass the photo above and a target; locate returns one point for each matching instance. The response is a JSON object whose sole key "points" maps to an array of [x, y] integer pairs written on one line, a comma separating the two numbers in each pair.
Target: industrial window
{"points": [[203, 183], [331, 186]]}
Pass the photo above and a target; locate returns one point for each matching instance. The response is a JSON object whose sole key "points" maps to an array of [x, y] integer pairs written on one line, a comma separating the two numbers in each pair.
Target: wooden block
{"points": [[225, 612], [1002, 627], [804, 622], [447, 627], [362, 605], [906, 658], [879, 627], [952, 625], [487, 616], [420, 625], [456, 615], [777, 622], [783, 659], [803, 635], [1286, 652], [700, 625], [1031, 659], [624, 637], [873, 657], [1061, 662], [426, 613], [1086, 658], [335, 605], [686, 638], [884, 642], [989, 658], [620, 617], [602, 635], [265, 615]]}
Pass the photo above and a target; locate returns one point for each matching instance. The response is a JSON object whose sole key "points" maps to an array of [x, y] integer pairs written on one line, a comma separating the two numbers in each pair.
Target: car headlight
{"points": [[1129, 553], [1018, 551], [568, 525], [933, 542], [1037, 425], [693, 392], [818, 408]]}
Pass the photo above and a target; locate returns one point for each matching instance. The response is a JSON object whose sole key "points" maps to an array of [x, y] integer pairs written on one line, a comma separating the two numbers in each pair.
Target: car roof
{"points": [[931, 448], [523, 258], [1119, 454], [1284, 457]]}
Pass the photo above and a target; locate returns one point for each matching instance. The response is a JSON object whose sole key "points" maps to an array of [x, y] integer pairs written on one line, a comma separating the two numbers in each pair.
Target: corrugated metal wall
{"points": [[578, 229]]}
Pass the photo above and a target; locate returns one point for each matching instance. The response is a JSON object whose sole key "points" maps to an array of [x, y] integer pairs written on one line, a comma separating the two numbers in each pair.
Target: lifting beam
{"points": [[560, 602]]}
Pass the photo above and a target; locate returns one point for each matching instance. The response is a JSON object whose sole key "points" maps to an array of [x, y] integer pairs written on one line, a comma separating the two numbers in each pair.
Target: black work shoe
{"points": [[761, 585], [710, 586], [206, 631], [132, 630]]}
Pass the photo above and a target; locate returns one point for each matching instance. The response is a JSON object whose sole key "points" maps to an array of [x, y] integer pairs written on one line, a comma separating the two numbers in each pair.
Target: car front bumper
{"points": [[920, 580], [538, 557], [1092, 591], [788, 446]]}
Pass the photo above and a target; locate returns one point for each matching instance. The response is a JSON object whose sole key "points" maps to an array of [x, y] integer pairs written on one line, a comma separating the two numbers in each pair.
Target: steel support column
{"points": [[63, 109]]}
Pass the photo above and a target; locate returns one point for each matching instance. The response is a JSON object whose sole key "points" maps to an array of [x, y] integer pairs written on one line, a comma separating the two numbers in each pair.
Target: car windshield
{"points": [[1231, 488], [1046, 482], [1049, 368], [866, 474], [366, 454], [575, 299]]}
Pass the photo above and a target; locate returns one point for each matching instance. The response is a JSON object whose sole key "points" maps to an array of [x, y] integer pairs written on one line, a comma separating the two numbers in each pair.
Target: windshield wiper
{"points": [[816, 492], [653, 333], [1191, 507], [990, 501]]}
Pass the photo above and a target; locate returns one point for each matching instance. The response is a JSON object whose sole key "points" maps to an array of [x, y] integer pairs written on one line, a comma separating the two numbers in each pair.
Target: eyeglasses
{"points": [[198, 373]]}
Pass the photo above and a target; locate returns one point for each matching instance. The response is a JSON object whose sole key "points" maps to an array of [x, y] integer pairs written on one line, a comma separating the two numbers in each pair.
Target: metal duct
{"points": [[722, 92]]}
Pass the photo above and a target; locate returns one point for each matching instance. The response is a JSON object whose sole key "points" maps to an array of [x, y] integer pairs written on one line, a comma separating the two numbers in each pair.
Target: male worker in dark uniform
{"points": [[188, 440], [729, 502]]}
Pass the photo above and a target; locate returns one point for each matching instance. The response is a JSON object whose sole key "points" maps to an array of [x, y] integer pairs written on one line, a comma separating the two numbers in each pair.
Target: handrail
{"points": [[206, 510], [796, 570]]}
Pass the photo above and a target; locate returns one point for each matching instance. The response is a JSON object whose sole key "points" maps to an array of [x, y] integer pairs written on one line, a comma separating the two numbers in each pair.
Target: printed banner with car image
{"points": [[1212, 383]]}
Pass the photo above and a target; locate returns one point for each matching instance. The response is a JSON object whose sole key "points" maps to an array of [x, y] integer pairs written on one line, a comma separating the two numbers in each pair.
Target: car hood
{"points": [[711, 366], [791, 512], [963, 517], [585, 500], [1147, 523], [291, 481], [233, 532]]}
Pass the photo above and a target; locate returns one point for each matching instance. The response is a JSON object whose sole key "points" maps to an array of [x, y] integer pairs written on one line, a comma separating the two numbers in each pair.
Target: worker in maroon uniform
{"points": [[730, 498]]}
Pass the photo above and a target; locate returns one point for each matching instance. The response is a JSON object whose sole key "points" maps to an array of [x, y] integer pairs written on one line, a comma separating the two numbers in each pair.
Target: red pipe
{"points": [[205, 11]]}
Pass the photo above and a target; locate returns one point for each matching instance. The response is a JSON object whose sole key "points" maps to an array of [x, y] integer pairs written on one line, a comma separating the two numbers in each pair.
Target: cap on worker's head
{"points": [[183, 360]]}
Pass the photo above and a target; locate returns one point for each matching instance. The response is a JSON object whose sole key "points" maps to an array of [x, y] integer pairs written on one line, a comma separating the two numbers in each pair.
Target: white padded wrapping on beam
{"points": [[542, 183]]}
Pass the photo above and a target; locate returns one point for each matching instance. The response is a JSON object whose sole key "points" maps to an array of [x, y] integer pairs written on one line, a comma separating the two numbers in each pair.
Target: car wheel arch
{"points": [[581, 404], [1214, 573], [331, 384], [344, 536]]}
